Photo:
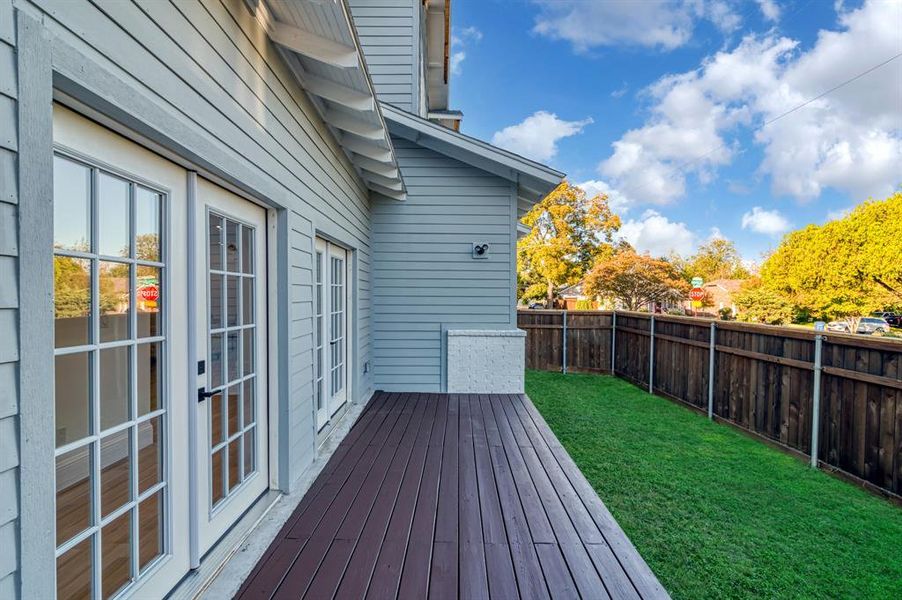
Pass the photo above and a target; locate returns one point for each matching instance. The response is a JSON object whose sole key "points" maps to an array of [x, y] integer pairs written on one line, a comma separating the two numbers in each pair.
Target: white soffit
{"points": [[319, 43], [438, 20]]}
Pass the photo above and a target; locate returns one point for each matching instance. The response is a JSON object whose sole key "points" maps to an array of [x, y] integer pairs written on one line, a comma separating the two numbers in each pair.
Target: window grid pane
{"points": [[112, 383], [232, 353]]}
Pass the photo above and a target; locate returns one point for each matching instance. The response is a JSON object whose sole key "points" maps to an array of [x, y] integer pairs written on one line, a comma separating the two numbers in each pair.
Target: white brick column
{"points": [[486, 361]]}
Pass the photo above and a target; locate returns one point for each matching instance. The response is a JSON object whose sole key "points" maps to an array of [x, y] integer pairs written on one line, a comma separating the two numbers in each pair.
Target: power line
{"points": [[687, 163]]}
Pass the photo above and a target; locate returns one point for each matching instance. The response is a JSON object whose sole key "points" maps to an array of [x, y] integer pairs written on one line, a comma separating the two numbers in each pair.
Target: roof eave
{"points": [[534, 180], [324, 59]]}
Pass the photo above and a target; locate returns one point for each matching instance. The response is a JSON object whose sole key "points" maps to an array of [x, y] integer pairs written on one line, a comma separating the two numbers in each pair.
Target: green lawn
{"points": [[715, 513]]}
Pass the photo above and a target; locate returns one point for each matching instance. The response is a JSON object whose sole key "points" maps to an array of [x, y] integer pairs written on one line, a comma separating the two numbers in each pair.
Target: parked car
{"points": [[894, 319], [866, 326]]}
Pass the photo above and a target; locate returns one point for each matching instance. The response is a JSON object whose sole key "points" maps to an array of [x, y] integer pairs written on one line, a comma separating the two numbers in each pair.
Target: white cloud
{"points": [[457, 58], [621, 91], [839, 213], [537, 135], [768, 222], [850, 140], [769, 9], [716, 234], [618, 202], [665, 24], [460, 39], [656, 234]]}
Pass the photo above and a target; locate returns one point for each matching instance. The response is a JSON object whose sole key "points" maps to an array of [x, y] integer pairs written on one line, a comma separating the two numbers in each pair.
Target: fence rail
{"points": [[835, 397]]}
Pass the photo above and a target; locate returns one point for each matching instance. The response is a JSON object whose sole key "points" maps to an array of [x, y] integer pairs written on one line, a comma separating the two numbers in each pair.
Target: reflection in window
{"points": [[112, 216], [148, 223], [115, 284], [71, 205], [72, 300]]}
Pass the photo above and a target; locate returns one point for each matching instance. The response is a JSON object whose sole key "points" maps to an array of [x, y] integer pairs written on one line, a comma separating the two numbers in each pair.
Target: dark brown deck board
{"points": [[451, 496]]}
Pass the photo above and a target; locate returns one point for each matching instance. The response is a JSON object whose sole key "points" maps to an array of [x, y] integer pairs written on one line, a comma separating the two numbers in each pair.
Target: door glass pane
{"points": [[234, 397], [234, 463], [115, 552], [217, 419], [233, 355], [114, 386], [72, 373], [250, 402], [115, 471], [71, 205], [250, 452], [148, 224], [218, 481], [247, 250], [75, 570], [71, 301], [149, 300], [150, 529], [247, 353], [247, 301], [115, 288], [150, 453], [215, 240], [150, 377], [216, 302], [73, 493], [216, 362], [232, 300], [232, 242], [112, 211]]}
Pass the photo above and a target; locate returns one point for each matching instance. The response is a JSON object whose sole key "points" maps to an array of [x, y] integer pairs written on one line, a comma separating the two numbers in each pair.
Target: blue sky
{"points": [[661, 103]]}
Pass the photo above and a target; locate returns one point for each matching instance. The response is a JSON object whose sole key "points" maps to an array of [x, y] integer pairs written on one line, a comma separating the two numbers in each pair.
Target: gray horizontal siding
{"points": [[224, 93], [387, 30], [9, 316], [424, 276]]}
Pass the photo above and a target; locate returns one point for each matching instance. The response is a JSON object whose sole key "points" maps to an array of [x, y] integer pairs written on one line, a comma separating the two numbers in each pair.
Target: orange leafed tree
{"points": [[636, 280]]}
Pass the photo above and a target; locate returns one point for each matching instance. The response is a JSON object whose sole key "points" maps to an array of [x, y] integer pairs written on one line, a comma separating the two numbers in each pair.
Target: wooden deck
{"points": [[447, 496]]}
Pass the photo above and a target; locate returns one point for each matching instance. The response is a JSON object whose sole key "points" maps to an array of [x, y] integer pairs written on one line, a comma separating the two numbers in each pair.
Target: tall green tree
{"points": [[569, 232], [716, 259], [845, 268]]}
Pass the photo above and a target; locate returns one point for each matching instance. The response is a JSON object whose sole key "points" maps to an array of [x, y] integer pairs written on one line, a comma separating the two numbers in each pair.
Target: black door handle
{"points": [[203, 394]]}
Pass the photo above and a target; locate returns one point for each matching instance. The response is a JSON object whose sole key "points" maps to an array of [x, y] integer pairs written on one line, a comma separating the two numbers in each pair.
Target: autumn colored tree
{"points": [[635, 280], [568, 233], [845, 268]]}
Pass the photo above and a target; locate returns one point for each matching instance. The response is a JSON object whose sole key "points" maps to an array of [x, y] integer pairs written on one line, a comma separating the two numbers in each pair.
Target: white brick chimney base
{"points": [[486, 361]]}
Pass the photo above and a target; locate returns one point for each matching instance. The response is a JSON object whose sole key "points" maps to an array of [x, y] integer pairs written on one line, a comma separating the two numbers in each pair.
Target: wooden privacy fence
{"points": [[835, 398]]}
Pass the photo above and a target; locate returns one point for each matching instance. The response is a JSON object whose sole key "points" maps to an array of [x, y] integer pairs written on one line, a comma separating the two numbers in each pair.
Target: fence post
{"points": [[651, 356], [816, 398], [613, 342], [564, 349], [711, 371]]}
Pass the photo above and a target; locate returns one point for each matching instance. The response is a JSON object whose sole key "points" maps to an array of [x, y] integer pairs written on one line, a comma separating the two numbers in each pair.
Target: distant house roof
{"points": [[729, 285], [572, 291], [534, 180]]}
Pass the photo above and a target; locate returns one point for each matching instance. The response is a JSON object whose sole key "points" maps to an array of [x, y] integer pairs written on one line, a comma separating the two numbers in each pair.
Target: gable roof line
{"points": [[535, 179]]}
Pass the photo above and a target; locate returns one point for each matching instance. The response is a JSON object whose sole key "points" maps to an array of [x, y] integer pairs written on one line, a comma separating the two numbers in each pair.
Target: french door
{"points": [[138, 425], [121, 415], [231, 442], [332, 327]]}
